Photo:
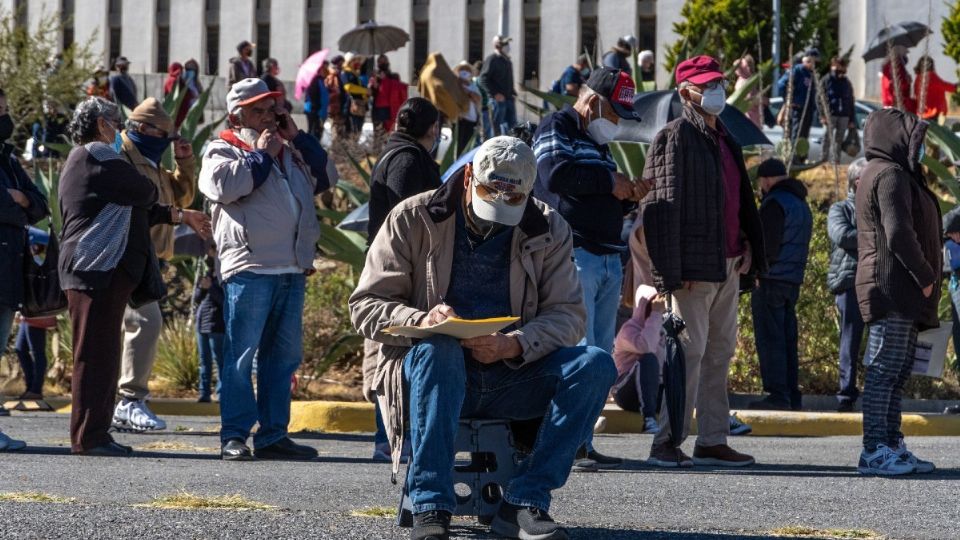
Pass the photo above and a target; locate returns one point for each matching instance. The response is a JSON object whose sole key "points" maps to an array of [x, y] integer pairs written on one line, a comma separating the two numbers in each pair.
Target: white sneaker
{"points": [[10, 445], [737, 427], [134, 415], [920, 466], [883, 461], [600, 425]]}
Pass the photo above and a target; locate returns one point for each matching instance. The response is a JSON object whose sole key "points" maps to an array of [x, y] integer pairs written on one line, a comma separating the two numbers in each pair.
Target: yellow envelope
{"points": [[458, 328]]}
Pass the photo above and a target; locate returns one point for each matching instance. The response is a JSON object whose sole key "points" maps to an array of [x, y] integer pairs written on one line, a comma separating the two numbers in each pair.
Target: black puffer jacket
{"points": [[842, 230], [683, 213], [13, 222], [404, 169], [898, 224]]}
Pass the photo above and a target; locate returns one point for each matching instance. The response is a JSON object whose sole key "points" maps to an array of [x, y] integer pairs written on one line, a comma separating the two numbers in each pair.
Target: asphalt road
{"points": [[808, 482]]}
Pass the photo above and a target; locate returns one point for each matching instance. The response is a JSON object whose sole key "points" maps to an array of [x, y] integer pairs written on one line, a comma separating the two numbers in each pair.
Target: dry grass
{"points": [[34, 497], [174, 445], [189, 501], [810, 532], [375, 512]]}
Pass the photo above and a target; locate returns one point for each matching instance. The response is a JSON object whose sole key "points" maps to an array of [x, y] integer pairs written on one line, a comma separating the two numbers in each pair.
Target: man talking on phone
{"points": [[261, 175]]}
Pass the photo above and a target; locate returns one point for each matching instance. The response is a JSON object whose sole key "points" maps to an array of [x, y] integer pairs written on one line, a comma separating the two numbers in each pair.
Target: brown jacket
{"points": [[176, 188], [898, 224], [407, 273]]}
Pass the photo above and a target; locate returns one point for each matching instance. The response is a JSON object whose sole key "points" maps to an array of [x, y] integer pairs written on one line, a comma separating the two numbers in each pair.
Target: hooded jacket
{"points": [[404, 169], [683, 213], [842, 230], [787, 227], [407, 273], [899, 227]]}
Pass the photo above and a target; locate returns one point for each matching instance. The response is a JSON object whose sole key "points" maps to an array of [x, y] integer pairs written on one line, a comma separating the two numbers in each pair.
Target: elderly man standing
{"points": [[261, 175], [477, 247], [803, 106], [496, 79], [703, 232], [150, 131]]}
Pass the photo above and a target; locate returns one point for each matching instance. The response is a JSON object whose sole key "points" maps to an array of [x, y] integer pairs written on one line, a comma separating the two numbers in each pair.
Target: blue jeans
{"points": [[567, 388], [601, 277], [380, 437], [264, 317], [774, 305], [504, 116], [210, 347], [31, 347], [851, 335]]}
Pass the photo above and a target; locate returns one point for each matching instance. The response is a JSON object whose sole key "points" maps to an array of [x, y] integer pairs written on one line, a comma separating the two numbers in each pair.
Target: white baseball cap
{"points": [[248, 91], [504, 171]]}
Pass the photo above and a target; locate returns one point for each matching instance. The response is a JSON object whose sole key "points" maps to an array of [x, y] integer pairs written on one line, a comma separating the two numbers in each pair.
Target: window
{"points": [[263, 44], [116, 24], [421, 45], [115, 35], [314, 4], [20, 13], [531, 49], [588, 36], [647, 35], [367, 11], [163, 48], [213, 49], [213, 6], [314, 37], [475, 41], [66, 19]]}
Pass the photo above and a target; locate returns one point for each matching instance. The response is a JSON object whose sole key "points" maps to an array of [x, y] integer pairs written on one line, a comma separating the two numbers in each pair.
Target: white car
{"points": [[817, 132]]}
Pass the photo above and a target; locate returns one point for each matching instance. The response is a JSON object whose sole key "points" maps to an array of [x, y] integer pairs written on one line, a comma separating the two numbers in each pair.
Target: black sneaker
{"points": [[286, 449], [235, 450], [431, 525], [845, 405], [953, 409], [526, 523], [604, 462], [3, 411], [768, 404]]}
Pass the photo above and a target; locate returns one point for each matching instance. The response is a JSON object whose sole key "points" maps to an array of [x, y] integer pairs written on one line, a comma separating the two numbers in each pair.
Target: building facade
{"points": [[547, 34]]}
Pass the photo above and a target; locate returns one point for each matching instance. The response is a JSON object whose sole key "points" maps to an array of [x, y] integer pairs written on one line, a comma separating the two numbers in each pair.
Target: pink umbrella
{"points": [[308, 70]]}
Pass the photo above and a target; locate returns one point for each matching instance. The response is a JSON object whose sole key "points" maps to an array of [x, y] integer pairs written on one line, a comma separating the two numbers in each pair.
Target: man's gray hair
{"points": [[854, 171], [83, 126]]}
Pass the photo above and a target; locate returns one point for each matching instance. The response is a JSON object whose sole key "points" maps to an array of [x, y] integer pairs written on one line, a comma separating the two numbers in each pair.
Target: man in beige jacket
{"points": [[479, 247], [150, 131]]}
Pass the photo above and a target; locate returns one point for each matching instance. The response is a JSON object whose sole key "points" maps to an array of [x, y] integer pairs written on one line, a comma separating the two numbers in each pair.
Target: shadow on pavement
{"points": [[767, 469], [597, 533]]}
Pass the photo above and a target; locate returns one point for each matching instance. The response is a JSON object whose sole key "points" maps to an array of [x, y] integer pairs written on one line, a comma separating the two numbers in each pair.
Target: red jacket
{"points": [[887, 93], [391, 93], [935, 101]]}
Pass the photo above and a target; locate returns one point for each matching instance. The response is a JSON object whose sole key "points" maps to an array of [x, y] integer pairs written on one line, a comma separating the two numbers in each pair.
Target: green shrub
{"points": [[326, 321], [178, 361]]}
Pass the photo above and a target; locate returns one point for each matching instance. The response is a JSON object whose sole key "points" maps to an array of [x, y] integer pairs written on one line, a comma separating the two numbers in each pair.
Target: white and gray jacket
{"points": [[263, 217]]}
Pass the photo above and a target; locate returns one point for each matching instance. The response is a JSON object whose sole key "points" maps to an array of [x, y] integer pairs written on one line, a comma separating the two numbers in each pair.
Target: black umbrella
{"points": [[658, 108], [187, 242], [674, 375], [371, 38], [908, 34], [357, 219]]}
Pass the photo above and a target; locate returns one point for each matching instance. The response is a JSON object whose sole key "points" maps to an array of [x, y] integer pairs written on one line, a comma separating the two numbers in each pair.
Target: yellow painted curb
{"points": [[162, 407], [331, 416], [802, 424]]}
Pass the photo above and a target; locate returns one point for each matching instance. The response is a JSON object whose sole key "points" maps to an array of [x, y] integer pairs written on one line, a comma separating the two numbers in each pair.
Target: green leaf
{"points": [[946, 140], [344, 246], [946, 177], [173, 100], [345, 345], [200, 138], [356, 195], [555, 100], [539, 111], [449, 156], [192, 120], [630, 157], [740, 97], [356, 164], [332, 215]]}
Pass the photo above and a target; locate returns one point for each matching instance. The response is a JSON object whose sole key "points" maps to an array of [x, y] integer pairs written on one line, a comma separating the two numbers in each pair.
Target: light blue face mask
{"points": [[117, 142], [923, 152]]}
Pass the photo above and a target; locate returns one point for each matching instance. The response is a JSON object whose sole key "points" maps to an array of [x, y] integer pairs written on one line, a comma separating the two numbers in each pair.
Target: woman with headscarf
{"points": [[106, 261], [930, 90], [746, 67]]}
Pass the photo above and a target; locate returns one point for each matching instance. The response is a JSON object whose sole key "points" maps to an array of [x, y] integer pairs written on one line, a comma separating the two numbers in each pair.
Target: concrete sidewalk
{"points": [[349, 417]]}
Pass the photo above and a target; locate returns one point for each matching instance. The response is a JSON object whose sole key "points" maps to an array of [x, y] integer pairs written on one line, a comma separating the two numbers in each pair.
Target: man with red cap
{"points": [[261, 176], [703, 233]]}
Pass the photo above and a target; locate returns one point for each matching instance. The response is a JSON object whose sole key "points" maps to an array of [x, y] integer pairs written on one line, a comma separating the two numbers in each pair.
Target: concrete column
{"points": [[38, 9], [615, 19], [399, 13], [237, 23], [559, 39], [288, 35], [448, 29], [138, 41], [515, 24], [187, 31], [90, 21], [853, 33], [668, 12], [338, 17], [7, 6]]}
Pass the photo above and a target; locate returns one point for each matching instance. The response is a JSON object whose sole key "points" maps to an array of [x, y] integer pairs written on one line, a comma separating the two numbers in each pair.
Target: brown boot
{"points": [[668, 456], [720, 455]]}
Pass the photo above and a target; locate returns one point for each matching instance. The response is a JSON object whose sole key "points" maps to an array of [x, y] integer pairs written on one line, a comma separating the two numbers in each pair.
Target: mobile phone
{"points": [[282, 121]]}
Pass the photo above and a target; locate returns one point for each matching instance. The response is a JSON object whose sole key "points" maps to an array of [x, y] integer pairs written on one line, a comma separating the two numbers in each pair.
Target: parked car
{"points": [[817, 132]]}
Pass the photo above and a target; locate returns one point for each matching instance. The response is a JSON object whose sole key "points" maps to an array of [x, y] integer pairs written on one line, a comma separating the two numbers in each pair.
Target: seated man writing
{"points": [[478, 247]]}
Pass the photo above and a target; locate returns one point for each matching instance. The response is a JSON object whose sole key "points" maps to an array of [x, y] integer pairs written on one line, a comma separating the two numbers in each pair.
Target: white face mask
{"points": [[465, 75], [603, 131], [713, 100]]}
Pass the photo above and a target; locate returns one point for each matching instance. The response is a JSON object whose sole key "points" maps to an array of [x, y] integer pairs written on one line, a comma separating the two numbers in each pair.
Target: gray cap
{"points": [[505, 165]]}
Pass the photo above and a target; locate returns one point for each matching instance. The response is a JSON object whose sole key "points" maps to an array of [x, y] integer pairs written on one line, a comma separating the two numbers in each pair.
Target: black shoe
{"points": [[203, 399], [432, 525], [953, 409], [525, 522], [604, 462], [768, 404], [110, 449], [286, 449], [845, 405], [3, 411], [235, 450]]}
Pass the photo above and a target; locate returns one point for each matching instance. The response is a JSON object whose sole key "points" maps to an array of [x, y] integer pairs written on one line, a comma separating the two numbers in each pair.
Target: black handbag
{"points": [[42, 295], [151, 287]]}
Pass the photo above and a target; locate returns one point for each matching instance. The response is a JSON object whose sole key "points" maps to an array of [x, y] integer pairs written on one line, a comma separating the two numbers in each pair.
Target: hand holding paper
{"points": [[454, 327]]}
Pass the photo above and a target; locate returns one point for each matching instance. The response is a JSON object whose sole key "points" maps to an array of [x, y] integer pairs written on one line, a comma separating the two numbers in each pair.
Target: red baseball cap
{"points": [[698, 70], [617, 87]]}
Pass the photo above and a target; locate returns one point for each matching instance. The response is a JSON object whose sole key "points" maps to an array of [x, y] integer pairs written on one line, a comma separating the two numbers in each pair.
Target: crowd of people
{"points": [[540, 225]]}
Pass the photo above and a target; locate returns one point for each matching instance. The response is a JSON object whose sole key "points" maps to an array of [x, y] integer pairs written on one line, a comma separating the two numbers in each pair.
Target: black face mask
{"points": [[6, 127]]}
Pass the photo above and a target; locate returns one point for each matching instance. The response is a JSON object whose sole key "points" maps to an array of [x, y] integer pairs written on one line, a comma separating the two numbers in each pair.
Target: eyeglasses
{"points": [[489, 194], [722, 83]]}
